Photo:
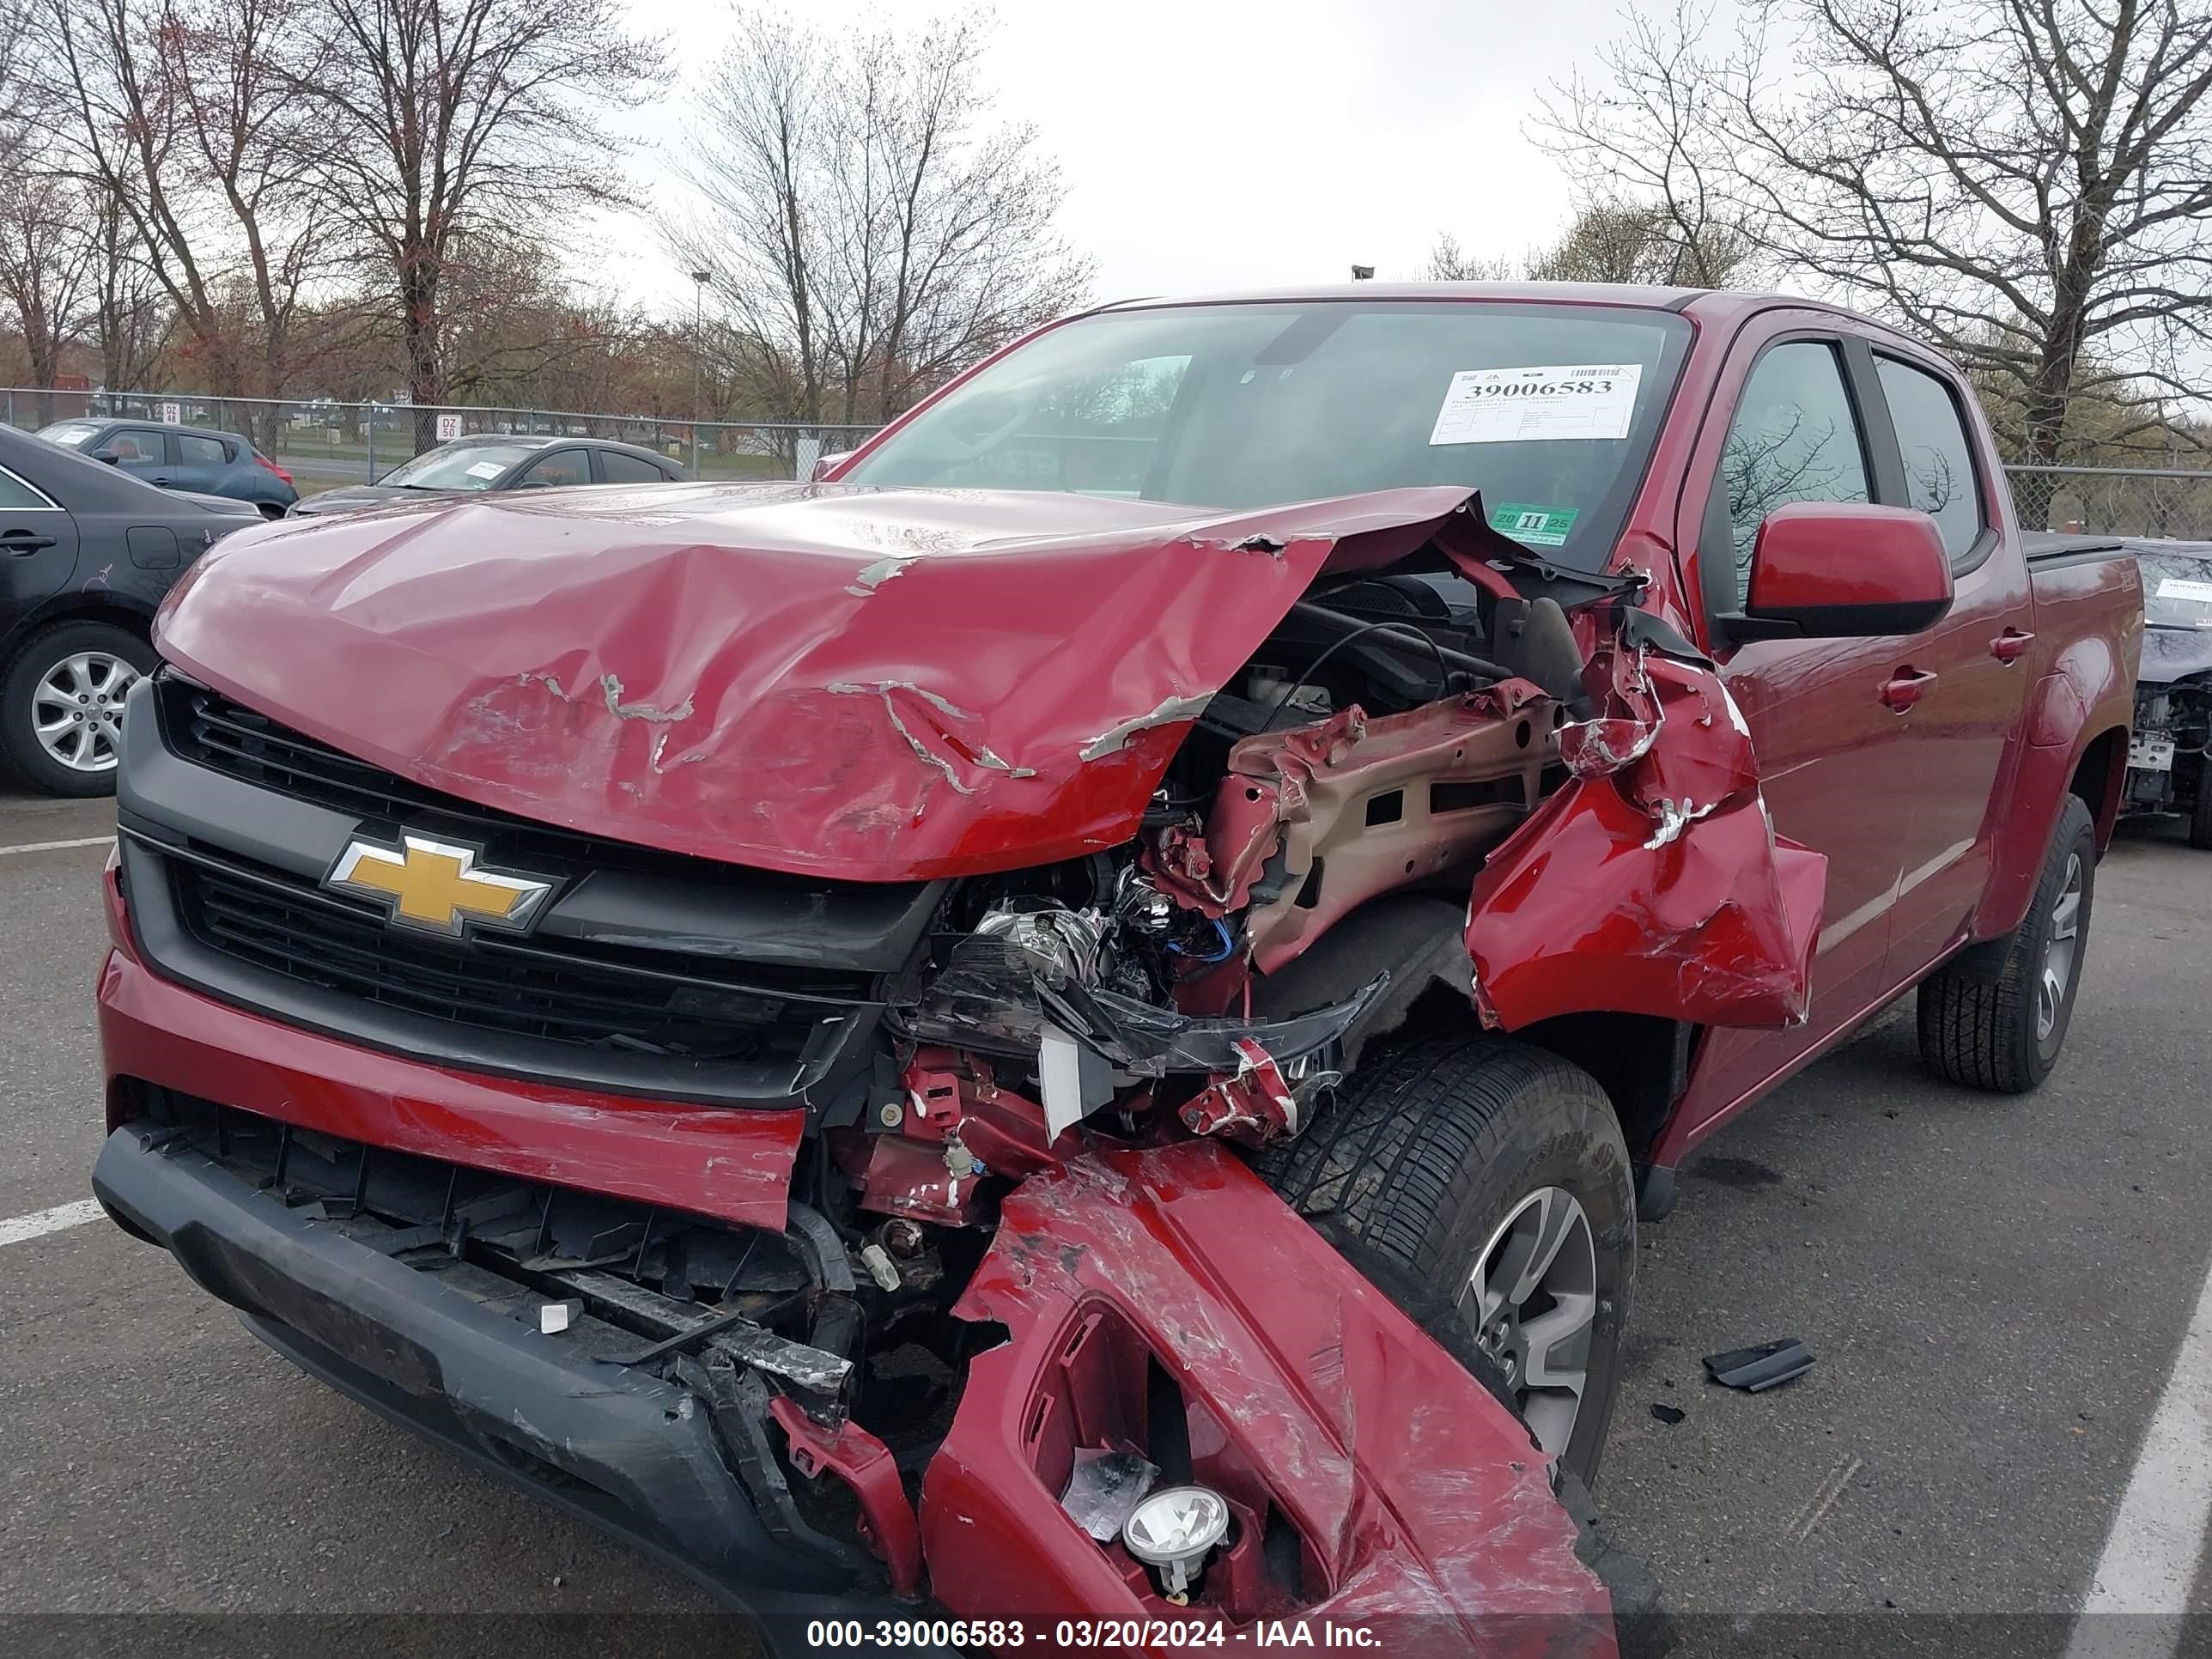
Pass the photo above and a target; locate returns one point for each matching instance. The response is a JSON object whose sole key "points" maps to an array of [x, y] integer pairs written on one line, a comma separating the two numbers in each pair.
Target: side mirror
{"points": [[1844, 570], [823, 464], [111, 457]]}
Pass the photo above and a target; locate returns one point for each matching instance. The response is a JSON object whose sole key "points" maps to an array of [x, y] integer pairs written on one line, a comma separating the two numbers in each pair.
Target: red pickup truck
{"points": [[1073, 1021]]}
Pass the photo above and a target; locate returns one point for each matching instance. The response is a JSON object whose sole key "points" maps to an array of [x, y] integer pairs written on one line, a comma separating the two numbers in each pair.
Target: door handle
{"points": [[1904, 688], [2010, 645], [21, 542], [159, 480]]}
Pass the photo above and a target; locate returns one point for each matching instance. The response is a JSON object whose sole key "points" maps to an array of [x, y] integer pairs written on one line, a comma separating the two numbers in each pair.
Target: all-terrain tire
{"points": [[2200, 817], [102, 645], [1979, 1019], [1430, 1149]]}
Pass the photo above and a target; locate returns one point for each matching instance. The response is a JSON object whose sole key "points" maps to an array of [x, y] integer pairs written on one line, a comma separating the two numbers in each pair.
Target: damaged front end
{"points": [[993, 974]]}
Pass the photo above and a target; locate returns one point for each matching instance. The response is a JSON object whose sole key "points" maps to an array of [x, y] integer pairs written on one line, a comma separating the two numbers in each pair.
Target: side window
{"points": [[1939, 461], [202, 452], [17, 496], [615, 467], [562, 466], [135, 444], [1795, 438]]}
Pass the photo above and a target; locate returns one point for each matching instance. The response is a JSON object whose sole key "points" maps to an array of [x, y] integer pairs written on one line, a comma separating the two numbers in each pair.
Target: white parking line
{"points": [[2158, 1532], [49, 1221], [56, 846]]}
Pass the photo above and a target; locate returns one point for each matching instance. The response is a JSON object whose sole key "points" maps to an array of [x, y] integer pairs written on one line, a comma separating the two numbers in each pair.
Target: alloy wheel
{"points": [[1530, 1300], [2060, 950], [76, 710]]}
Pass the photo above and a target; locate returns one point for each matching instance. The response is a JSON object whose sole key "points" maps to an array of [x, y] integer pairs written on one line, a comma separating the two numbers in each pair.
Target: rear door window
{"points": [[17, 496], [1939, 461], [194, 451], [615, 467]]}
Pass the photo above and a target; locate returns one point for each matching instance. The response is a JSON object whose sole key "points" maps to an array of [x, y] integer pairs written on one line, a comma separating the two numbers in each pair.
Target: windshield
{"points": [[459, 466], [2177, 585], [1549, 410], [69, 433]]}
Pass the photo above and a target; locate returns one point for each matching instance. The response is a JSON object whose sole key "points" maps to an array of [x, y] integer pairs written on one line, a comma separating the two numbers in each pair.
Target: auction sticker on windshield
{"points": [[1531, 405], [2180, 587]]}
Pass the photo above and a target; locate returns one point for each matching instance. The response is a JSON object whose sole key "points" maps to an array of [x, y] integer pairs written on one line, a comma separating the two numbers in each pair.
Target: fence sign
{"points": [[173, 414], [449, 428]]}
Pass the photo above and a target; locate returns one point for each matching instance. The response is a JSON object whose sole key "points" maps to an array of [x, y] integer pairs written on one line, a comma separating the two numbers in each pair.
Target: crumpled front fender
{"points": [[1169, 1302], [1653, 882]]}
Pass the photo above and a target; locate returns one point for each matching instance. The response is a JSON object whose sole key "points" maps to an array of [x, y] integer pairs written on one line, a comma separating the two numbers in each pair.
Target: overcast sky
{"points": [[1211, 144]]}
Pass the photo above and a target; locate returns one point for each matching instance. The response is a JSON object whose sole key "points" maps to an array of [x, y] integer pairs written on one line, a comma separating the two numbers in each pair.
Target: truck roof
{"points": [[1704, 303]]}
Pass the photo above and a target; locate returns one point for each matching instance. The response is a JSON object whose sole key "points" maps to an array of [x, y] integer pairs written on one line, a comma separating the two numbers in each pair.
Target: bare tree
{"points": [[1450, 262], [2027, 184], [44, 264], [443, 125], [1616, 241], [174, 114], [867, 227], [1608, 241], [1649, 163], [131, 319]]}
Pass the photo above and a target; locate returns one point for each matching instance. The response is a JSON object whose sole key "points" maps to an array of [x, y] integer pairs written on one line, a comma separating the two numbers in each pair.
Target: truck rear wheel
{"points": [[1995, 1016], [1493, 1177], [2200, 817]]}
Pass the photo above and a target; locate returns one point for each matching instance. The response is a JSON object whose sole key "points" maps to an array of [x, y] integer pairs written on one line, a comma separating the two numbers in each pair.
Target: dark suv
{"points": [[192, 458]]}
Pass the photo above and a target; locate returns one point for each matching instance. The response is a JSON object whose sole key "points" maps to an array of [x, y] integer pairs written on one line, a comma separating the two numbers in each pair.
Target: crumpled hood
{"points": [[877, 685]]}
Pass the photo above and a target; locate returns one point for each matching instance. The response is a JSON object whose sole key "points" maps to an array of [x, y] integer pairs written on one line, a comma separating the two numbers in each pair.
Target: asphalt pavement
{"points": [[1994, 1289]]}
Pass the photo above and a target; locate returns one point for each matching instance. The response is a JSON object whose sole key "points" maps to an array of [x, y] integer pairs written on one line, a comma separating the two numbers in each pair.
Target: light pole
{"points": [[699, 278]]}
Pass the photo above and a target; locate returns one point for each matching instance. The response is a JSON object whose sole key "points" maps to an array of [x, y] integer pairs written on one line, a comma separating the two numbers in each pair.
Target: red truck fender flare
{"points": [[2073, 740]]}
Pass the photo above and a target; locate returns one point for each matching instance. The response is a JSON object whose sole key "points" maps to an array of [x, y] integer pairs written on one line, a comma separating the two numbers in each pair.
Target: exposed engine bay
{"points": [[2168, 747]]}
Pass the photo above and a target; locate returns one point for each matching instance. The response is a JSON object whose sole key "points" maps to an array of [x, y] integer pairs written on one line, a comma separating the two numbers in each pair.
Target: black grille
{"points": [[231, 738], [561, 991]]}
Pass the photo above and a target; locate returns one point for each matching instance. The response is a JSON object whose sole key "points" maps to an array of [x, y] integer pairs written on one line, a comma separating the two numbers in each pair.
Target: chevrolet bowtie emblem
{"points": [[436, 886]]}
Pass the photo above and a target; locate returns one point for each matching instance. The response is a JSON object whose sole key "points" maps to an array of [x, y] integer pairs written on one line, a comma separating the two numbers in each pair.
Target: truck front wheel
{"points": [[1994, 1016], [1492, 1176]]}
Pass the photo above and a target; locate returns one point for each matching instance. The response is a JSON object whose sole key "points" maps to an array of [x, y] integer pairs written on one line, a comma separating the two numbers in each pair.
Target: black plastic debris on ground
{"points": [[1669, 1415], [1754, 1371]]}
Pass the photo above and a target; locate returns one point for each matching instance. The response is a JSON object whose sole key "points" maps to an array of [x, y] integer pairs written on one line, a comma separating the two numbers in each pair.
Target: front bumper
{"points": [[1410, 1503], [630, 1453]]}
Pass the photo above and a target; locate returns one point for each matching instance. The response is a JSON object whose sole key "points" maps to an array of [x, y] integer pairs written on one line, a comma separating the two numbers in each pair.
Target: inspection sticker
{"points": [[2179, 587], [1530, 406], [1537, 526]]}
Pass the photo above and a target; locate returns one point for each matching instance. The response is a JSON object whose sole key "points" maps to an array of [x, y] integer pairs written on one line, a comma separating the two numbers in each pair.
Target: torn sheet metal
{"points": [[877, 684], [1653, 883], [1257, 1105], [1427, 1515]]}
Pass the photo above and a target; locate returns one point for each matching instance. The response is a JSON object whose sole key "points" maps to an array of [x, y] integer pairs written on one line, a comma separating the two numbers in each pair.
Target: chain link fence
{"points": [[323, 443], [2115, 500]]}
